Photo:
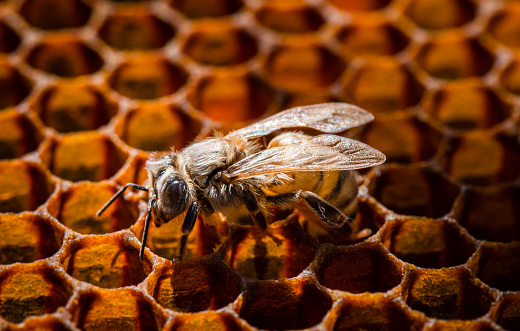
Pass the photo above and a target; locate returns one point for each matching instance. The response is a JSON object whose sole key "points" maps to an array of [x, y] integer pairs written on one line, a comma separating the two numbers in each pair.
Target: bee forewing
{"points": [[321, 153], [326, 117]]}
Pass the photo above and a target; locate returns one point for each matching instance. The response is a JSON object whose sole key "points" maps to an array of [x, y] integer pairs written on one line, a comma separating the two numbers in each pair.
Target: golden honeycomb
{"points": [[89, 88]]}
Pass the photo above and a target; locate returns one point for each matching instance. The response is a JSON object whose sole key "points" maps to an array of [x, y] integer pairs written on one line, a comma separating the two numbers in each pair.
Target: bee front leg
{"points": [[187, 226]]}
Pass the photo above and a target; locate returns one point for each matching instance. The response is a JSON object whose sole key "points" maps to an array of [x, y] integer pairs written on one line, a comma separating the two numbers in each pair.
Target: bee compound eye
{"points": [[176, 187]]}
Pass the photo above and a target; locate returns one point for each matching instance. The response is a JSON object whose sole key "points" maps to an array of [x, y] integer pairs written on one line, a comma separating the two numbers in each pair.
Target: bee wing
{"points": [[321, 153], [326, 117]]}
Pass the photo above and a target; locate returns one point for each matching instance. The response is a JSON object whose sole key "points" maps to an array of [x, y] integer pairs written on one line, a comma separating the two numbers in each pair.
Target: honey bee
{"points": [[223, 173]]}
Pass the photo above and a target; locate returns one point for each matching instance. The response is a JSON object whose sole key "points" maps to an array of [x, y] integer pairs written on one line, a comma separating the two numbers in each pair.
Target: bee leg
{"points": [[252, 207], [187, 226], [331, 216]]}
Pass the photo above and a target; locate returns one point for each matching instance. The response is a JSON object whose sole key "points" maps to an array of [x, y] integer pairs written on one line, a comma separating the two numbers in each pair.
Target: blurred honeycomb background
{"points": [[89, 88]]}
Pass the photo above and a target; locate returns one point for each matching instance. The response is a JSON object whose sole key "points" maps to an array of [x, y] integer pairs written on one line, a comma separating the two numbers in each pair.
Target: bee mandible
{"points": [[220, 174]]}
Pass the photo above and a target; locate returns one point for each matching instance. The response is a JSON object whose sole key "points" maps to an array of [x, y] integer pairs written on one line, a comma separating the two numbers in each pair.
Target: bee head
{"points": [[171, 190]]}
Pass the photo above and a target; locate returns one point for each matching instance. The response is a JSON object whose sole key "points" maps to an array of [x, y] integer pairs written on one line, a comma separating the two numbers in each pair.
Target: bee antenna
{"points": [[118, 193], [151, 203]]}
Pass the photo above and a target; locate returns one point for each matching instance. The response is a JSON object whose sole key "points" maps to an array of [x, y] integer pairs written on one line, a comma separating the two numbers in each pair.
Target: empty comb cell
{"points": [[134, 29], [480, 158], [28, 237], [14, 86], [468, 106], [414, 190], [204, 320], [284, 304], [147, 77], [443, 14], [403, 138], [76, 208], [27, 290], [300, 67], [371, 269], [157, 128], [107, 262], [510, 77], [231, 97], [373, 312], [383, 85], [304, 18], [448, 294], [428, 243], [353, 5], [496, 264], [85, 155], [55, 14], [212, 285], [69, 107], [122, 309], [23, 186], [219, 44], [490, 213], [507, 314], [9, 38], [454, 57], [372, 38], [505, 26], [64, 56], [20, 134]]}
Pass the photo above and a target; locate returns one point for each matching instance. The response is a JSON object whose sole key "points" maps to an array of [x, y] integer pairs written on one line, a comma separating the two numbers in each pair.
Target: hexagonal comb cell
{"points": [[505, 26], [508, 315], [447, 294], [456, 325], [64, 56], [435, 14], [207, 8], [27, 238], [285, 304], [20, 135], [303, 18], [383, 85], [147, 77], [124, 309], [510, 77], [9, 39], [231, 97], [23, 186], [455, 57], [428, 243], [14, 87], [403, 139], [369, 312], [83, 156], [77, 206], [498, 265], [106, 261], [481, 159], [412, 190], [27, 290], [43, 322], [281, 251], [363, 38], [205, 321], [212, 285], [303, 67], [157, 128], [467, 106], [353, 5], [490, 213], [55, 14], [134, 29], [218, 44], [69, 107], [371, 269]]}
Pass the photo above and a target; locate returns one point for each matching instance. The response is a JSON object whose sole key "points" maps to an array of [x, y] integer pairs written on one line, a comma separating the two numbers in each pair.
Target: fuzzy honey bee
{"points": [[223, 173]]}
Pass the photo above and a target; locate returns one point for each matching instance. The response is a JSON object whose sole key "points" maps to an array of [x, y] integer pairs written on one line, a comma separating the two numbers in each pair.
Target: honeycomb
{"points": [[88, 89]]}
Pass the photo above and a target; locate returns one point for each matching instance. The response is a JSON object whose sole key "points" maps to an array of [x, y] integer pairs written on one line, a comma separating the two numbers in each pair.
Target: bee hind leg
{"points": [[187, 226], [252, 207]]}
